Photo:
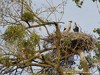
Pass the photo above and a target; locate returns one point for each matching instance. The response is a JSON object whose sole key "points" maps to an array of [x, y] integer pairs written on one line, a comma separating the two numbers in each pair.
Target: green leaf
{"points": [[14, 33]]}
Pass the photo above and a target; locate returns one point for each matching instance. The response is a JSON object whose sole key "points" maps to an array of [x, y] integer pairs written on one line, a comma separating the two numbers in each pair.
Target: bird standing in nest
{"points": [[76, 28], [68, 27]]}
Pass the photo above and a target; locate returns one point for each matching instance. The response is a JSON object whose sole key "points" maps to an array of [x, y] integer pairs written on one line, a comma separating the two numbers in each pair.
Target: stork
{"points": [[68, 27], [76, 28]]}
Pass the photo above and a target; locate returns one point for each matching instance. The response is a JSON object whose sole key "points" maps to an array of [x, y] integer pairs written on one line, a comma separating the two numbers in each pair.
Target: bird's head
{"points": [[70, 21], [75, 24]]}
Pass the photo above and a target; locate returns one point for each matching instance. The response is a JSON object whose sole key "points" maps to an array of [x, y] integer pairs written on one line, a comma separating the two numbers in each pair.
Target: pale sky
{"points": [[86, 17]]}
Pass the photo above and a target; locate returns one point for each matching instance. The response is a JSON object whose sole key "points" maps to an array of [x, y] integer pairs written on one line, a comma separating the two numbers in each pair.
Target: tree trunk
{"points": [[84, 63]]}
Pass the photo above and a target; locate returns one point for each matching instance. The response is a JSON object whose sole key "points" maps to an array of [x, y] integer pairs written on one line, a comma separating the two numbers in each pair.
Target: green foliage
{"points": [[80, 65], [98, 41], [97, 31], [98, 54], [90, 61], [6, 61], [27, 44], [48, 56], [14, 33], [27, 17], [27, 48], [35, 38]]}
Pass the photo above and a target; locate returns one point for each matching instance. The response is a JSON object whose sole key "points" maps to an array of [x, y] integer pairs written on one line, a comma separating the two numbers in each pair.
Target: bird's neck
{"points": [[70, 24]]}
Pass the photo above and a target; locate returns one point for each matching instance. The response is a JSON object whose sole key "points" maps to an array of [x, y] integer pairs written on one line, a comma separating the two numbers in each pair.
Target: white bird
{"points": [[76, 28], [68, 27]]}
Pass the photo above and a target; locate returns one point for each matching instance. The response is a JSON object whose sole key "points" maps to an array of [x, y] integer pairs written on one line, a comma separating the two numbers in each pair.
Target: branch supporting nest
{"points": [[72, 43]]}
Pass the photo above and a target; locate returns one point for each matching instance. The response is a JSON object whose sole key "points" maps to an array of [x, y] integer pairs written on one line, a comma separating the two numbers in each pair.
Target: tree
{"points": [[23, 49]]}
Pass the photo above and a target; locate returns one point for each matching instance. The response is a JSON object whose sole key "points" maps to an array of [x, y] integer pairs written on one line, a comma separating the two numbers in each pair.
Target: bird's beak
{"points": [[70, 21]]}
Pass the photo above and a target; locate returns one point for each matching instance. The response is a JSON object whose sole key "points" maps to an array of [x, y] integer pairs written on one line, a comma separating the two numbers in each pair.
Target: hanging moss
{"points": [[14, 33], [27, 17]]}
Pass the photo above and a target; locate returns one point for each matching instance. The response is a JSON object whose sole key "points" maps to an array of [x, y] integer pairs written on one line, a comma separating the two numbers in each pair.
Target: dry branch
{"points": [[72, 43]]}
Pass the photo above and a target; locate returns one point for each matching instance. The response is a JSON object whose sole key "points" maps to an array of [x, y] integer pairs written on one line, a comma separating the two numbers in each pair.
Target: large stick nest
{"points": [[73, 41]]}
